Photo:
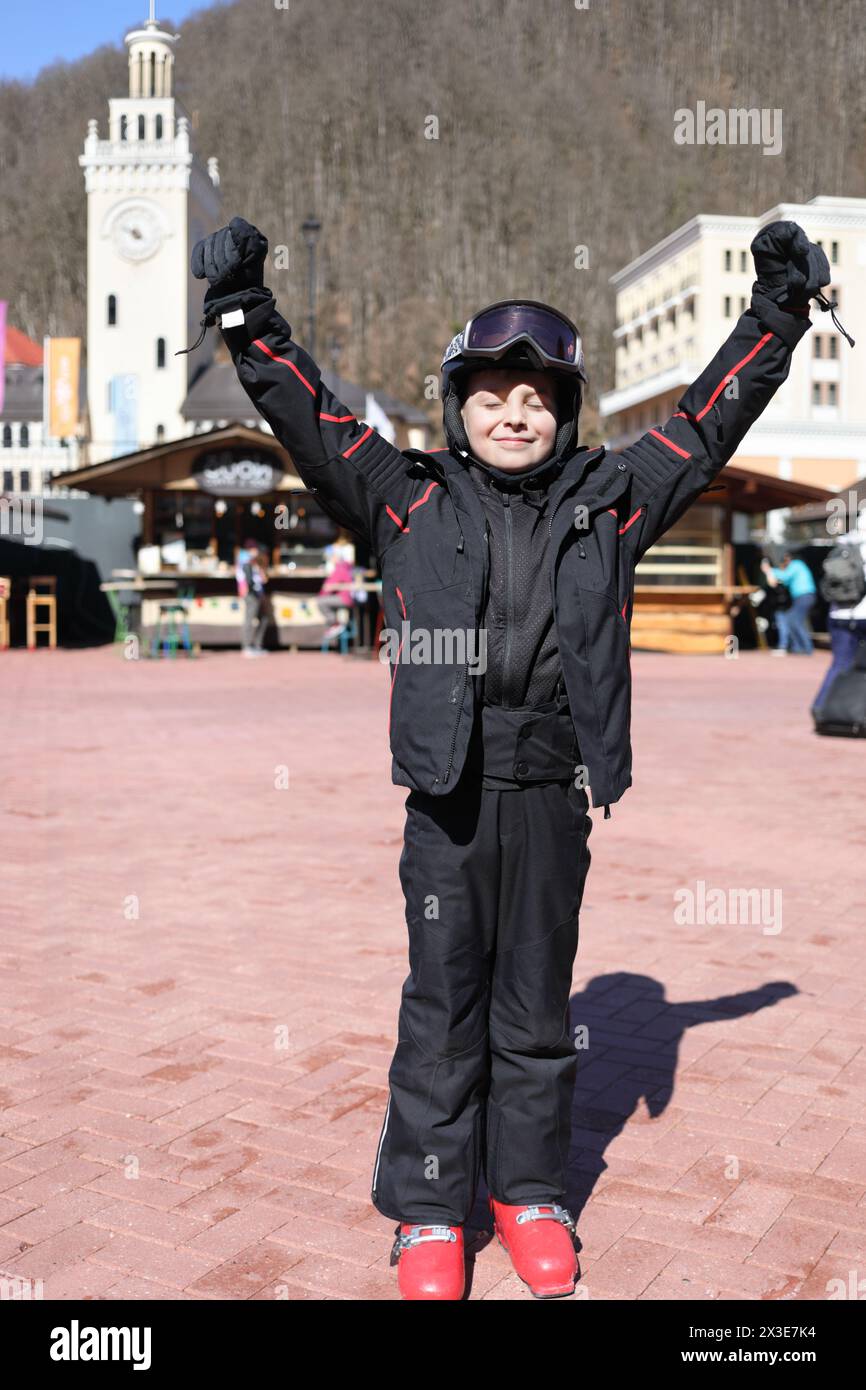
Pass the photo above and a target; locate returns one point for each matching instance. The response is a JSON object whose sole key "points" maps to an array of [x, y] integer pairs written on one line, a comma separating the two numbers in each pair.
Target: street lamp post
{"points": [[311, 228]]}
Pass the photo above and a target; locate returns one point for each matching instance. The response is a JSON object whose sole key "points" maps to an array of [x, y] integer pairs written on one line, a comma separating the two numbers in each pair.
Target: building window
{"points": [[825, 393], [834, 253], [742, 303], [141, 127], [727, 306], [743, 262], [818, 346], [834, 346], [159, 127], [7, 438], [24, 480], [112, 310], [7, 479], [160, 432], [123, 127], [160, 352], [727, 260], [24, 437]]}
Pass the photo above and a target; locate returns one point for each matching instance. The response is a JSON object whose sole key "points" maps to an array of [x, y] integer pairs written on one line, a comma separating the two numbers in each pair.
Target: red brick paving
{"points": [[200, 975]]}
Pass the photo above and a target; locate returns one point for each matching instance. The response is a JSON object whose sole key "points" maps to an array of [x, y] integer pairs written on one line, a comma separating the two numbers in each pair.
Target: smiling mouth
{"points": [[521, 442]]}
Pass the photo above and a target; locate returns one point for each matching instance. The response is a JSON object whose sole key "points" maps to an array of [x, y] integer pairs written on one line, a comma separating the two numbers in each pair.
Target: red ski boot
{"points": [[430, 1261], [540, 1241]]}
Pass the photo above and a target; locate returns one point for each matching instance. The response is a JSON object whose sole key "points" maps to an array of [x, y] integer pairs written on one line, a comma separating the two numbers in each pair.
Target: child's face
{"points": [[510, 418]]}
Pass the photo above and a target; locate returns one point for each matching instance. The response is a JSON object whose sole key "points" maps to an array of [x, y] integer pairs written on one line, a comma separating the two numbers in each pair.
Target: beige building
{"points": [[678, 302], [675, 306]]}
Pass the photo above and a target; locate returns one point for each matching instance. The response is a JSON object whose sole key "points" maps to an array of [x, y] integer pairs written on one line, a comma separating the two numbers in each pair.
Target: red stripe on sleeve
{"points": [[732, 373], [683, 453], [347, 453], [624, 528], [286, 363]]}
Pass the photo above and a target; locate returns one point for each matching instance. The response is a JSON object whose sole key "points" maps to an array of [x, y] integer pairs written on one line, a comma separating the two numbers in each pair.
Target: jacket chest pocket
{"points": [[594, 557], [421, 563], [436, 564]]}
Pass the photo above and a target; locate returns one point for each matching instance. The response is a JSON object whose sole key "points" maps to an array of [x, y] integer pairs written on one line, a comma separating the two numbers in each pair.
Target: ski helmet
{"points": [[516, 333]]}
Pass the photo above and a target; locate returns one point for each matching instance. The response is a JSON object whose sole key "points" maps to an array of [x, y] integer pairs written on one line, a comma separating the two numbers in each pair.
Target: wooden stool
{"points": [[42, 594], [5, 596]]}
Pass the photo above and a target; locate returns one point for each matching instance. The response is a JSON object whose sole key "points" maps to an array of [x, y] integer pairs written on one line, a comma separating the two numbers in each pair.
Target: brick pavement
{"points": [[200, 970]]}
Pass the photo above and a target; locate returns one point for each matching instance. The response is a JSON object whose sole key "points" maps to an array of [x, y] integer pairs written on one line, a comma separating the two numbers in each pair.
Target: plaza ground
{"points": [[203, 946]]}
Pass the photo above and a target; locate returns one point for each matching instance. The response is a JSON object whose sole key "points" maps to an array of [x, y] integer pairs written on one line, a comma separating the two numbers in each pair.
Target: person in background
{"points": [[341, 548], [336, 591], [846, 623], [251, 577], [793, 622]]}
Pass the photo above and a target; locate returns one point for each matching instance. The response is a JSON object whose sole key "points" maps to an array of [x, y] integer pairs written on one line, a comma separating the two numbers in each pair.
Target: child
{"points": [[516, 533]]}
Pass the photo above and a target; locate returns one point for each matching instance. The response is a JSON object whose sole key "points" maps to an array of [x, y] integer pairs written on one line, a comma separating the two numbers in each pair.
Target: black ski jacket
{"points": [[422, 516]]}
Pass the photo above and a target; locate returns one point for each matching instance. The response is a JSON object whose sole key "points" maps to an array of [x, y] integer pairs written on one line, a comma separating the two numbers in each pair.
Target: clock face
{"points": [[137, 233]]}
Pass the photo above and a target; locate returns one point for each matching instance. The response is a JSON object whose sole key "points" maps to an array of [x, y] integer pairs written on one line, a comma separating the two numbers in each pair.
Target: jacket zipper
{"points": [[509, 591], [465, 676]]}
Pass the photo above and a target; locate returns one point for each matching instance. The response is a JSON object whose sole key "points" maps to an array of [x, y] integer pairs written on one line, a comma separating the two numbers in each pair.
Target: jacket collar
{"points": [[444, 464], [536, 480], [601, 476]]}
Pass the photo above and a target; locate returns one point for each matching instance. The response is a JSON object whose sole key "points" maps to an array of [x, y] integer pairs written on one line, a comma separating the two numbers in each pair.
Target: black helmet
{"points": [[516, 333]]}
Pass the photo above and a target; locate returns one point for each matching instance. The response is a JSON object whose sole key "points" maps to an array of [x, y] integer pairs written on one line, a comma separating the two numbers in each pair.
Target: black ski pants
{"points": [[485, 1065]]}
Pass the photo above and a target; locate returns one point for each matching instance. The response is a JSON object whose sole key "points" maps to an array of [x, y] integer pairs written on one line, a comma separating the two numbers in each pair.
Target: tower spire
{"points": [[151, 59]]}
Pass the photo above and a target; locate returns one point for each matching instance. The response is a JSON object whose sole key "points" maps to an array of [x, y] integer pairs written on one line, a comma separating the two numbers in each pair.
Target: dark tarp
{"points": [[84, 614]]}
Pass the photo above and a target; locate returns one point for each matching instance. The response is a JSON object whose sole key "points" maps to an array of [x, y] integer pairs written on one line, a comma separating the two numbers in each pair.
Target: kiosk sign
{"points": [[232, 473]]}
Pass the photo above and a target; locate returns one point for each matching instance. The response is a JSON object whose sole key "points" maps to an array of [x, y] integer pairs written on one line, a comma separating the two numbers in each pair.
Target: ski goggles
{"points": [[503, 325]]}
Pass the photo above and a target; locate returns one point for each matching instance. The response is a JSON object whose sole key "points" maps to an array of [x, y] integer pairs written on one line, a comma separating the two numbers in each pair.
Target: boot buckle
{"points": [[405, 1241], [548, 1211]]}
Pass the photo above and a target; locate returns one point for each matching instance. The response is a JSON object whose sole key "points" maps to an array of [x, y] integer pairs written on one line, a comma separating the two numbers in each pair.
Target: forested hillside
{"points": [[555, 129]]}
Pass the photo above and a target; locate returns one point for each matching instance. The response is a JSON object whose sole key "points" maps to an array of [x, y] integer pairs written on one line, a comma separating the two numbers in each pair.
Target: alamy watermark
{"points": [[846, 514], [21, 519], [719, 907], [18, 1287], [438, 646], [737, 126]]}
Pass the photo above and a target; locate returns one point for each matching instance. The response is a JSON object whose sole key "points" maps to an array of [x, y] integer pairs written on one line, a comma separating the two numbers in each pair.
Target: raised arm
{"points": [[359, 478], [673, 463]]}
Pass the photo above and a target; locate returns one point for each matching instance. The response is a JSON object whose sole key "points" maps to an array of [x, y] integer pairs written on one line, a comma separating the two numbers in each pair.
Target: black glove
{"points": [[791, 269], [233, 262], [231, 259]]}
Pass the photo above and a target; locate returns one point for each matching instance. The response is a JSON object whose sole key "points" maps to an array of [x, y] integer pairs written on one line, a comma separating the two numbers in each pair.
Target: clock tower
{"points": [[149, 199]]}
